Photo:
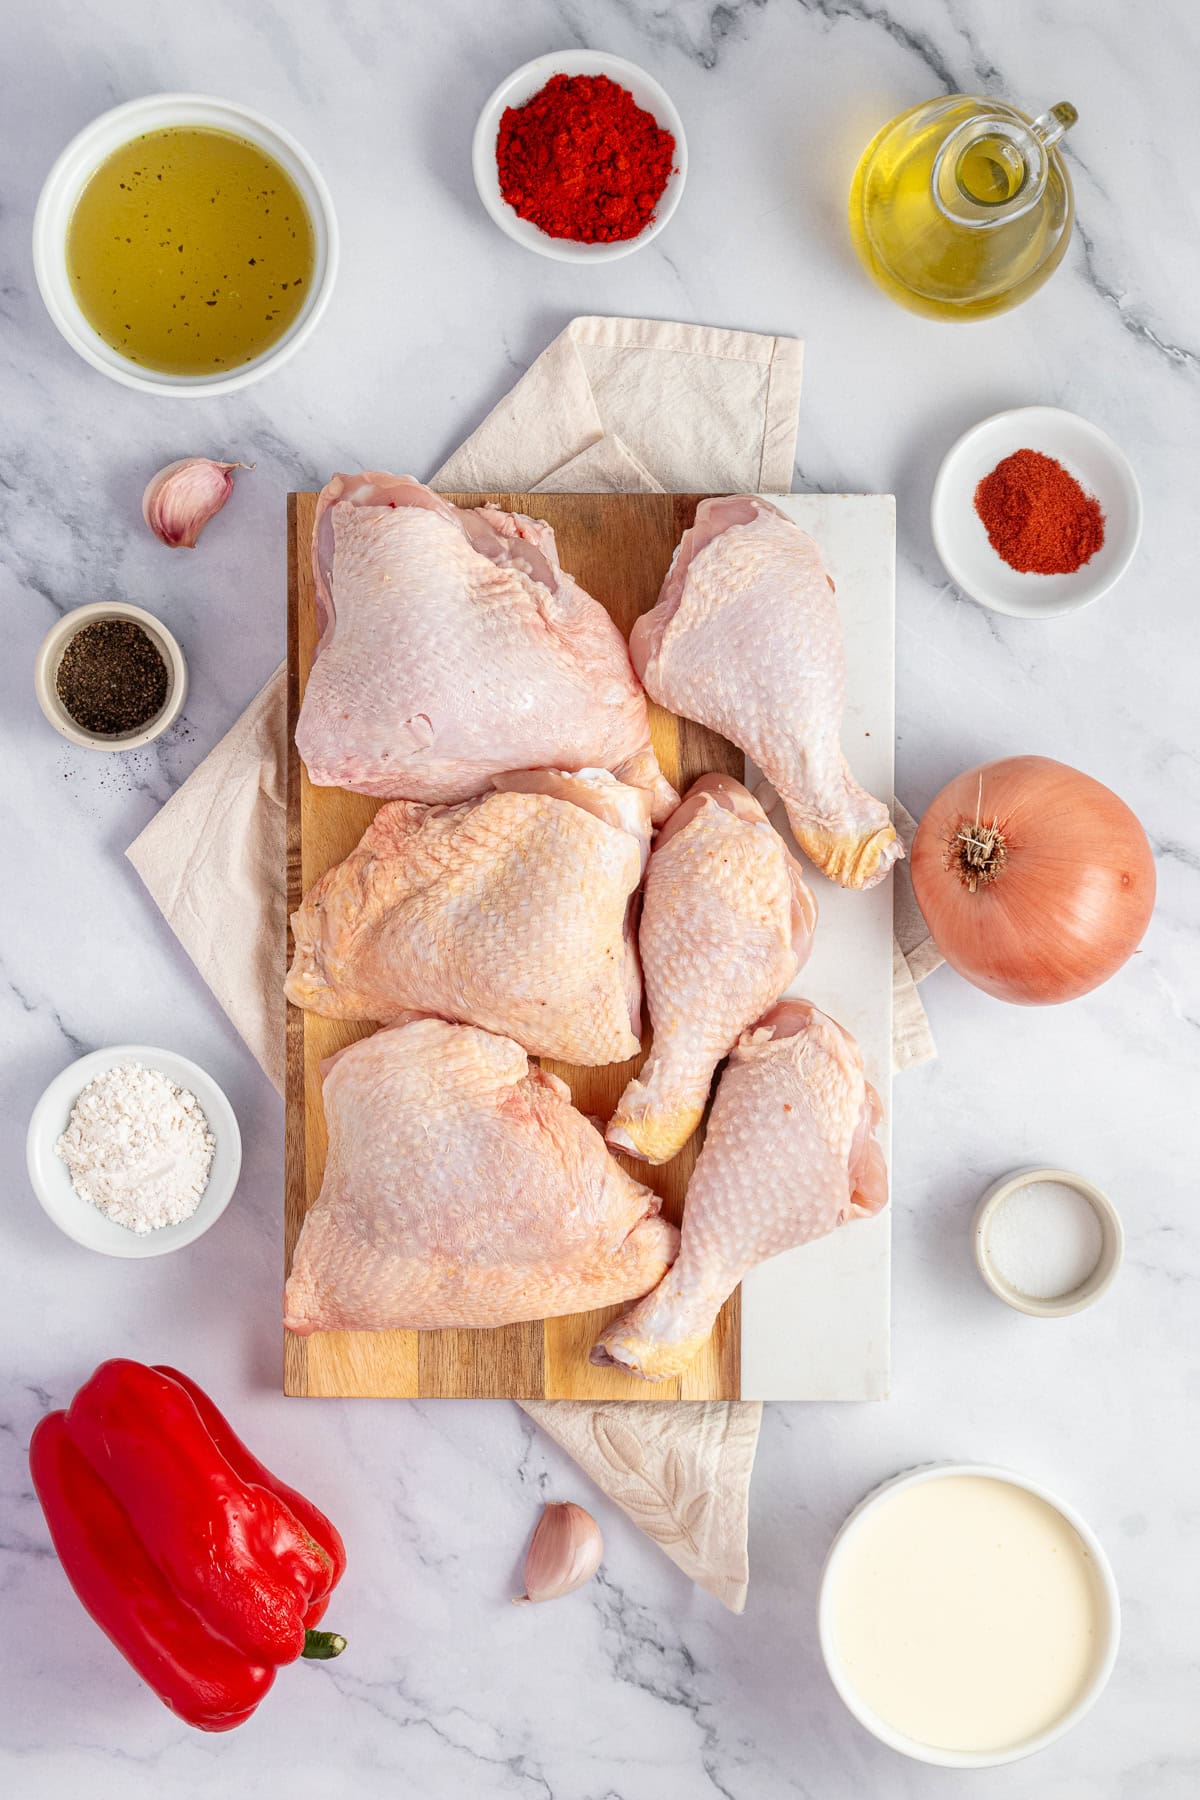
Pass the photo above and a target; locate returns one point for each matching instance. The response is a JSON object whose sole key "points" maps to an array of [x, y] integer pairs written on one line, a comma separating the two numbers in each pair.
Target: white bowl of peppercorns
{"points": [[110, 676]]}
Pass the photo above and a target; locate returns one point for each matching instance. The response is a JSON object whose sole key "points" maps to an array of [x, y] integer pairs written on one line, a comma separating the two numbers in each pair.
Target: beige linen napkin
{"points": [[612, 406], [914, 956]]}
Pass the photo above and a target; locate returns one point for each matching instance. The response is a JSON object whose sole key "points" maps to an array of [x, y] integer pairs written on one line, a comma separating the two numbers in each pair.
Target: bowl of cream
{"points": [[967, 1616]]}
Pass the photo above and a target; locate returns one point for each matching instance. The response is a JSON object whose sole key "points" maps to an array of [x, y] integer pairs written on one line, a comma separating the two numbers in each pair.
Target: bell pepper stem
{"points": [[320, 1646]]}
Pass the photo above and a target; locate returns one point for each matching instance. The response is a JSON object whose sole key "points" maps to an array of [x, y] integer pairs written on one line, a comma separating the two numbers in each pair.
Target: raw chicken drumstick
{"points": [[746, 639], [462, 1188], [453, 648], [789, 1155], [726, 922], [511, 912]]}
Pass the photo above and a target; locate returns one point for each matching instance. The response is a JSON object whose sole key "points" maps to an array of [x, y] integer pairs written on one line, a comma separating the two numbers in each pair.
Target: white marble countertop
{"points": [[641, 1689]]}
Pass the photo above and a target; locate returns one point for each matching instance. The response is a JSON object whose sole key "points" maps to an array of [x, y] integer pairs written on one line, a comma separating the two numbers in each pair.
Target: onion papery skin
{"points": [[1069, 902]]}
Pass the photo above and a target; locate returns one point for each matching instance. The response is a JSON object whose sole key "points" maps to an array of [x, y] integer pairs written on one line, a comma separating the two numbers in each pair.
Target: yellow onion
{"points": [[1036, 882]]}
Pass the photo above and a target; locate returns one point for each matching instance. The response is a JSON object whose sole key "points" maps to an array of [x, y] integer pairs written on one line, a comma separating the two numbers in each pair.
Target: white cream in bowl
{"points": [[967, 1617]]}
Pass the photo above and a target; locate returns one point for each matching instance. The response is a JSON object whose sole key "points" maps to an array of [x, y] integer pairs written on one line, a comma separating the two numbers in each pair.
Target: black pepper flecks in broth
{"points": [[190, 251]]}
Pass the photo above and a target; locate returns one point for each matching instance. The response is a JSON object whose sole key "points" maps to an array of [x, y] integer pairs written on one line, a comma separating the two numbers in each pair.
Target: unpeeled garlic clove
{"points": [[564, 1553], [181, 499]]}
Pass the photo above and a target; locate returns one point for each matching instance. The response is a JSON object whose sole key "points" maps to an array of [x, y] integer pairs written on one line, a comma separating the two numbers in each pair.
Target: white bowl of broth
{"points": [[185, 245], [967, 1616]]}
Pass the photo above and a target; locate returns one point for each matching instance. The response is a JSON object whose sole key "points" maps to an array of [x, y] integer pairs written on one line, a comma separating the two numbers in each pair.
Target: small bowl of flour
{"points": [[134, 1151]]}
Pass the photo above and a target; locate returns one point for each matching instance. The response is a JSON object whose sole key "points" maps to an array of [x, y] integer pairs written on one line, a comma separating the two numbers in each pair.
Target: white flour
{"points": [[138, 1148]]}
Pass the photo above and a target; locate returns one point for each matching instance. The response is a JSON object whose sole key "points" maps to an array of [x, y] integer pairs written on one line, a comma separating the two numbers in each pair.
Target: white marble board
{"points": [[816, 1320]]}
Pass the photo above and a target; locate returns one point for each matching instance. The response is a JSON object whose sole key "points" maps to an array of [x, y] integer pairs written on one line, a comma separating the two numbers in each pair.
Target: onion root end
{"points": [[976, 853]]}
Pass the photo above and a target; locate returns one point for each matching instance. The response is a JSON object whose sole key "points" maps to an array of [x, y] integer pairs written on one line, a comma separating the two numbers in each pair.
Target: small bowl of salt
{"points": [[134, 1151], [1047, 1242]]}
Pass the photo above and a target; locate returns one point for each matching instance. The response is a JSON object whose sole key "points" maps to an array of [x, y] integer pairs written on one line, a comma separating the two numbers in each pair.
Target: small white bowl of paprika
{"points": [[610, 213], [1036, 512]]}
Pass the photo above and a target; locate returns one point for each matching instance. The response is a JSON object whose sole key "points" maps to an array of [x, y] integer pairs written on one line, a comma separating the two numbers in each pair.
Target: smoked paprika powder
{"points": [[1037, 516], [583, 160]]}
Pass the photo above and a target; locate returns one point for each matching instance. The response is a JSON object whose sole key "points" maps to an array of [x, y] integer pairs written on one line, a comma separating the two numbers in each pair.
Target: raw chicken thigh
{"points": [[789, 1155], [726, 922], [462, 1188], [746, 639], [454, 648], [510, 912]]}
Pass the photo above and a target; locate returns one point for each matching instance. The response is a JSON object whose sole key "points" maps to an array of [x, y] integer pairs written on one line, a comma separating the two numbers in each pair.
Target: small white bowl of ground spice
{"points": [[134, 1151], [1036, 512], [1048, 1242], [110, 676], [580, 156]]}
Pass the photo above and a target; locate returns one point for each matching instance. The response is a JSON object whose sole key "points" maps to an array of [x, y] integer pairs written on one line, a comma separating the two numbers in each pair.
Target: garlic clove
{"points": [[564, 1553], [181, 499]]}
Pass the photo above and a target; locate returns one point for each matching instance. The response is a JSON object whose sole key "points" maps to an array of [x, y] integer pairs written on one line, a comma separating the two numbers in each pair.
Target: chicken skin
{"points": [[746, 639], [727, 921], [454, 648], [511, 912], [790, 1154], [462, 1188]]}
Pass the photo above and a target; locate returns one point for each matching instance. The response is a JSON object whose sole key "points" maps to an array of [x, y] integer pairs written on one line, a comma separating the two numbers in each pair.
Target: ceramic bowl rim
{"points": [[897, 1740], [533, 75], [82, 156], [1088, 1292], [50, 653]]}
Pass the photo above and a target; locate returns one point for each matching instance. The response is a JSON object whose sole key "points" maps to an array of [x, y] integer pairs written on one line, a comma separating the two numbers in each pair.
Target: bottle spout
{"points": [[993, 167], [1052, 125]]}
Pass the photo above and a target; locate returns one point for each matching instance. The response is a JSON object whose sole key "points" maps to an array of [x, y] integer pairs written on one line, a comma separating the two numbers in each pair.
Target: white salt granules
{"points": [[138, 1148], [1045, 1239]]}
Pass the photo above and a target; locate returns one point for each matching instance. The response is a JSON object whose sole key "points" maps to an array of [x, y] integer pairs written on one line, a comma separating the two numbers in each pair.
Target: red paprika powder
{"points": [[582, 160], [1037, 516]]}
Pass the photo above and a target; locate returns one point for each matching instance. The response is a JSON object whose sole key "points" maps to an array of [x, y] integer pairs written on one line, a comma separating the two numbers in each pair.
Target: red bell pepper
{"points": [[205, 1571], [246, 1464]]}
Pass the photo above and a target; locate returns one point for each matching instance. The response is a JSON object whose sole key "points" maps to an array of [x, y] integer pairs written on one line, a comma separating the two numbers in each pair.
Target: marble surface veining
{"points": [[640, 1688]]}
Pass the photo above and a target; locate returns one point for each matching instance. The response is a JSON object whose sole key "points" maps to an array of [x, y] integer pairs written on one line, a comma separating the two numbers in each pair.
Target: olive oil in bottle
{"points": [[962, 208], [190, 251]]}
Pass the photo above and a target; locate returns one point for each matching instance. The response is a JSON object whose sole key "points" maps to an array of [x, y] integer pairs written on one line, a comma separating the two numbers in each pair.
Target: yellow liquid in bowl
{"points": [[190, 251]]}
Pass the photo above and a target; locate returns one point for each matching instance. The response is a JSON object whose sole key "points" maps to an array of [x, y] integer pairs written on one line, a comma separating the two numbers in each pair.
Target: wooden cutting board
{"points": [[619, 547]]}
